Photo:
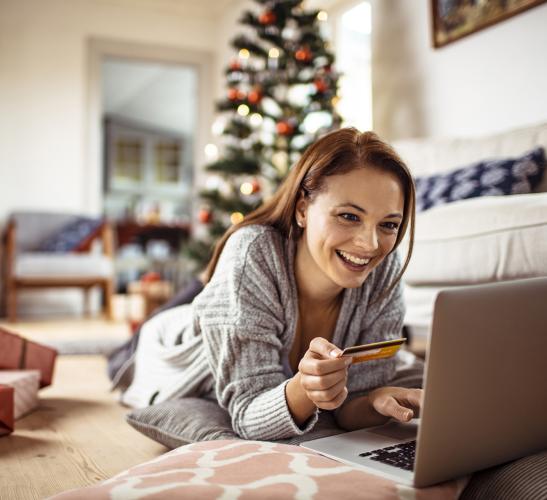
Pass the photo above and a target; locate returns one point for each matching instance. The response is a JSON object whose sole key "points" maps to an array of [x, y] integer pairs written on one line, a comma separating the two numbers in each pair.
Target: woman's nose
{"points": [[367, 239]]}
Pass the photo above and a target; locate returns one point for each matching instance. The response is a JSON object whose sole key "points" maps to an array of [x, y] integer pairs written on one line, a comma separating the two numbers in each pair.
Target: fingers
{"points": [[324, 382], [323, 374], [327, 393], [315, 366], [324, 348], [389, 407], [411, 397], [334, 403], [325, 390], [419, 396], [322, 358], [399, 403]]}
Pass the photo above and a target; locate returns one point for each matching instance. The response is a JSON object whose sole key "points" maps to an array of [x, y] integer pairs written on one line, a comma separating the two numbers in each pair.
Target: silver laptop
{"points": [[485, 390]]}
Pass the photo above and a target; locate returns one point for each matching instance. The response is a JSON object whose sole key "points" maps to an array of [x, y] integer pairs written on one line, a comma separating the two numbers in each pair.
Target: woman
{"points": [[311, 271]]}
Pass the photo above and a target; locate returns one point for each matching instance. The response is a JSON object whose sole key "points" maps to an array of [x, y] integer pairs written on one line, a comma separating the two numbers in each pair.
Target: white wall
{"points": [[490, 81], [44, 86]]}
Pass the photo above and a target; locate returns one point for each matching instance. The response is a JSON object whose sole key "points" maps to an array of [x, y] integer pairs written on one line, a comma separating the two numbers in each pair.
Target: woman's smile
{"points": [[353, 262]]}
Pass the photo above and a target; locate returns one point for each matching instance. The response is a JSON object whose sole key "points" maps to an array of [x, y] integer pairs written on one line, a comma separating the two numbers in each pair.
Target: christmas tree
{"points": [[280, 97]]}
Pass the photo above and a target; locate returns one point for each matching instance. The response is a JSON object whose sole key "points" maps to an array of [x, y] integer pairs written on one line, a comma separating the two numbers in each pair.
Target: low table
{"points": [[77, 437]]}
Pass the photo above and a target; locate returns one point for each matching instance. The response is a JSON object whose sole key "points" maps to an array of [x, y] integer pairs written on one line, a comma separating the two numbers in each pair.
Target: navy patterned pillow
{"points": [[485, 178], [72, 236]]}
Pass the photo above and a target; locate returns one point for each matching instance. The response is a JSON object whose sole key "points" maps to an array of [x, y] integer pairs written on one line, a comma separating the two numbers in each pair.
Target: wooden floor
{"points": [[77, 437]]}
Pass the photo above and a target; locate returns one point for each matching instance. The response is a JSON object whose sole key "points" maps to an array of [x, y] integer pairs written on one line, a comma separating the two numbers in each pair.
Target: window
{"points": [[167, 162], [128, 160], [352, 42]]}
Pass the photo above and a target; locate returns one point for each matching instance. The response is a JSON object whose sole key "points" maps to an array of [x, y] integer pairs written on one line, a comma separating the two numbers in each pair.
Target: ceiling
{"points": [[206, 8], [200, 8]]}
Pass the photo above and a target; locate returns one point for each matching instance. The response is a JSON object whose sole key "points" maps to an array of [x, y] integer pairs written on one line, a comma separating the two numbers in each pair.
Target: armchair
{"points": [[26, 265]]}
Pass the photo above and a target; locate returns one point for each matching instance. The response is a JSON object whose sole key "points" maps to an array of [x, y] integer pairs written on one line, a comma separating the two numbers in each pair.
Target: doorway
{"points": [[149, 109]]}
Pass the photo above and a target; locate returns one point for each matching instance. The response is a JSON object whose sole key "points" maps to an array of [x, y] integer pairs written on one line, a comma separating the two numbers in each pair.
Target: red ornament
{"points": [[267, 18], [235, 65], [235, 94], [205, 216], [284, 128], [321, 85], [303, 54], [254, 96], [232, 94], [256, 186], [150, 277]]}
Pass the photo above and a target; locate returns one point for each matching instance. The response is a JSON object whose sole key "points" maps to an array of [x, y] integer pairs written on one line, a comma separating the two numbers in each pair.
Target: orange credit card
{"points": [[376, 350]]}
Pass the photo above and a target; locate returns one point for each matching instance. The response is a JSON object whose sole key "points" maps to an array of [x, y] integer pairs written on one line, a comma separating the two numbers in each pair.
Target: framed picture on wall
{"points": [[454, 19]]}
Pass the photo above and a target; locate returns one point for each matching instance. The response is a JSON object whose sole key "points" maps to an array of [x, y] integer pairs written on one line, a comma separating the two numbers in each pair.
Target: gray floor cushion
{"points": [[189, 420], [182, 421]]}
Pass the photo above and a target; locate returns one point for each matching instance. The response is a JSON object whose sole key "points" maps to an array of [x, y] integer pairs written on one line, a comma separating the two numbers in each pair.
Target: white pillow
{"points": [[478, 240]]}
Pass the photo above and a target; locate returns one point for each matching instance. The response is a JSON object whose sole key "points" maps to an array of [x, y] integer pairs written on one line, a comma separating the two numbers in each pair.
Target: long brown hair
{"points": [[335, 153]]}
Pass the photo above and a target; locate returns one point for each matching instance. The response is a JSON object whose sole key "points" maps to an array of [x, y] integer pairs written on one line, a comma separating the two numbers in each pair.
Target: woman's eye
{"points": [[392, 226], [349, 217]]}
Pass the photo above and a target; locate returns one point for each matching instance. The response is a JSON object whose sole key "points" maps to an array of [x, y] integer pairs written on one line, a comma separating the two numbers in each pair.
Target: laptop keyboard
{"points": [[400, 455]]}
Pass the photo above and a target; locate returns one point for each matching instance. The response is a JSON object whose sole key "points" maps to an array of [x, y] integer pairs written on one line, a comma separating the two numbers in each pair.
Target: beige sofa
{"points": [[493, 238]]}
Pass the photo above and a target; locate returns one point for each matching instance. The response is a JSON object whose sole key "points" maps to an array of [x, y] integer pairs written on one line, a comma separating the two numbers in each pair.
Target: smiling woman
{"points": [[312, 270]]}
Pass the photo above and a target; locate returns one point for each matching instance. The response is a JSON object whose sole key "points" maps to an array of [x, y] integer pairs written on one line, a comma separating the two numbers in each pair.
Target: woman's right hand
{"points": [[323, 374]]}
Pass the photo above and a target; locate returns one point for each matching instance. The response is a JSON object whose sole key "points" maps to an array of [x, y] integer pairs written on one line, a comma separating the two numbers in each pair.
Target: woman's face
{"points": [[349, 228]]}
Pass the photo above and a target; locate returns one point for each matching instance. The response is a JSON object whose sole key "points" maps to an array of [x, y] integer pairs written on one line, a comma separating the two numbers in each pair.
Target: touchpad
{"points": [[397, 430]]}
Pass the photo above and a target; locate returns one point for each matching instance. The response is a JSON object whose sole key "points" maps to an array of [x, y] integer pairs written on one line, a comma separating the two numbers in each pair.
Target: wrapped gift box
{"points": [[6, 409], [17, 353], [25, 383]]}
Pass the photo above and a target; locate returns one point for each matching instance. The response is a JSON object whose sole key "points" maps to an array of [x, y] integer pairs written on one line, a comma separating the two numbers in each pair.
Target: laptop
{"points": [[485, 391]]}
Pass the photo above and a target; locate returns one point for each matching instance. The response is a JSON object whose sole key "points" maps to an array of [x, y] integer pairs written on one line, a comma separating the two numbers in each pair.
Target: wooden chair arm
{"points": [[8, 244], [107, 237]]}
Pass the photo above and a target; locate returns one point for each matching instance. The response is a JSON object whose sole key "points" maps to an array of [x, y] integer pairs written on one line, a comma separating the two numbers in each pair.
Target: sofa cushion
{"points": [[433, 155], [72, 236], [419, 302], [33, 227], [480, 240], [74, 265], [485, 178]]}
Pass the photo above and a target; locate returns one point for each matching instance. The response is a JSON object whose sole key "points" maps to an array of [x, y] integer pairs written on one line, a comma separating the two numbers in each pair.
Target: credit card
{"points": [[376, 350]]}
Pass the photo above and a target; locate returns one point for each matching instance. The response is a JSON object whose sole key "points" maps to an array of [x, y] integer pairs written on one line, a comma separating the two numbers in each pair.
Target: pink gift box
{"points": [[18, 353], [25, 383]]}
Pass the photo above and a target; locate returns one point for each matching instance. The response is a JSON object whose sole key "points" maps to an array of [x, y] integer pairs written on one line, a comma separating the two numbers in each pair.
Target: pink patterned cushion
{"points": [[251, 469]]}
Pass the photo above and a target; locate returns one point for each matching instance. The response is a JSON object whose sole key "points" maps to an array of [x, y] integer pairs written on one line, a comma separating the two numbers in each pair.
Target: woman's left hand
{"points": [[397, 402]]}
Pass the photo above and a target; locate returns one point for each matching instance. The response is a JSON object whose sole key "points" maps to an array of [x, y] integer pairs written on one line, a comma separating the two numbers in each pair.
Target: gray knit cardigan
{"points": [[234, 340]]}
